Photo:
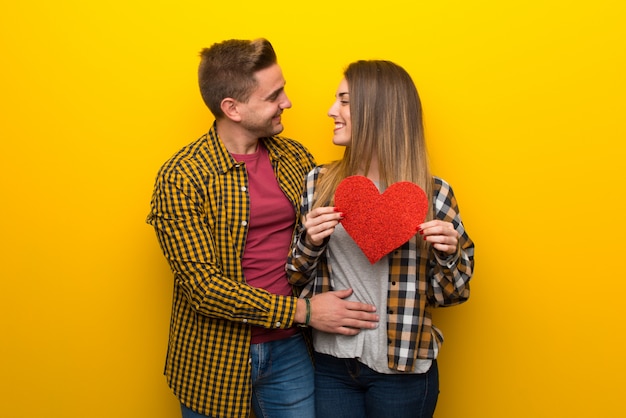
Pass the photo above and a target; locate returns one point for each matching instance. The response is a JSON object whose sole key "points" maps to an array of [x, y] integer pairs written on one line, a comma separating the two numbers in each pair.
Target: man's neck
{"points": [[235, 139]]}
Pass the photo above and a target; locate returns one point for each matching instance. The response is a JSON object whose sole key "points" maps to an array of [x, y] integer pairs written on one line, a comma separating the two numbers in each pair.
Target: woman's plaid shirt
{"points": [[419, 280], [200, 210]]}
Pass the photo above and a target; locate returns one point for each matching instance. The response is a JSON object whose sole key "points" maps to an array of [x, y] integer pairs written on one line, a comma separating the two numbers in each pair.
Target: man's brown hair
{"points": [[227, 70]]}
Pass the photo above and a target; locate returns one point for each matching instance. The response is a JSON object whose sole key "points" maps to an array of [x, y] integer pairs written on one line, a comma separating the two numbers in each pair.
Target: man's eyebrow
{"points": [[276, 92]]}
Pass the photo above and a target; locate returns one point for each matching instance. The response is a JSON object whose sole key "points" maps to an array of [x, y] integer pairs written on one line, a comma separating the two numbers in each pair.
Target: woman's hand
{"points": [[320, 223], [441, 235]]}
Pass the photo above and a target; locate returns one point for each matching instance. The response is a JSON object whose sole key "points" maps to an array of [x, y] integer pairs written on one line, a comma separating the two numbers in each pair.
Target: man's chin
{"points": [[278, 129]]}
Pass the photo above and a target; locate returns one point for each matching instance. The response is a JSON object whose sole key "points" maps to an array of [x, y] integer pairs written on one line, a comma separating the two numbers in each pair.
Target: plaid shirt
{"points": [[200, 211], [419, 280]]}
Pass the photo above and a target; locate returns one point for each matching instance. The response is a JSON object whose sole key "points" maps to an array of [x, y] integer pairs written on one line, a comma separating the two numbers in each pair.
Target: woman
{"points": [[390, 370]]}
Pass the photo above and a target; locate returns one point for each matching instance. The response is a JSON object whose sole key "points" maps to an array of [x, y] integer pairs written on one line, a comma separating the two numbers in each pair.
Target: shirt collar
{"points": [[224, 161]]}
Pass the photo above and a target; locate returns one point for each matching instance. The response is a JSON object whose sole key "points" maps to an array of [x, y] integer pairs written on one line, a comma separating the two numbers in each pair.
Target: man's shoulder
{"points": [[282, 145], [194, 153], [283, 142]]}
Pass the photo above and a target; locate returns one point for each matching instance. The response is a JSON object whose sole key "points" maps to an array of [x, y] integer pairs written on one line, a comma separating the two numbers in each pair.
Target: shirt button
{"points": [[244, 188], [244, 223], [245, 321], [278, 324]]}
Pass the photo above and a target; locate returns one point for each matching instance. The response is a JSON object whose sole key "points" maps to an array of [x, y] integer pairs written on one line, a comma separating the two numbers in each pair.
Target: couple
{"points": [[232, 207]]}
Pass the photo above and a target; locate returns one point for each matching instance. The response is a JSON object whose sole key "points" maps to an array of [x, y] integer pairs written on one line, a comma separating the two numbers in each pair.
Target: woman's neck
{"points": [[372, 172]]}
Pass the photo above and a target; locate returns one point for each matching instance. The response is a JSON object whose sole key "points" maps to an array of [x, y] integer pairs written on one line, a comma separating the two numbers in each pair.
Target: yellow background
{"points": [[524, 104]]}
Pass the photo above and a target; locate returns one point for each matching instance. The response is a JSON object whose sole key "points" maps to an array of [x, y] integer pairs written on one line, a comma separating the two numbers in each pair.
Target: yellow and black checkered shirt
{"points": [[200, 211]]}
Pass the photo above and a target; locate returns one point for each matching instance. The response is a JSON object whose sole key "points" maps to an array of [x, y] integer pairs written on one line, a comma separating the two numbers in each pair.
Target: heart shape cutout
{"points": [[380, 223]]}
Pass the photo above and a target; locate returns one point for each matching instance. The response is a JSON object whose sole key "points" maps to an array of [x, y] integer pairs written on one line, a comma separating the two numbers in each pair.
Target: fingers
{"points": [[360, 320], [441, 235], [342, 293], [352, 325], [360, 307], [330, 312], [347, 331], [320, 223], [354, 305]]}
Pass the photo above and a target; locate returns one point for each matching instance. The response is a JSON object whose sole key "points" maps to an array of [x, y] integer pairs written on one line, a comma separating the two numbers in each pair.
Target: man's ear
{"points": [[230, 109]]}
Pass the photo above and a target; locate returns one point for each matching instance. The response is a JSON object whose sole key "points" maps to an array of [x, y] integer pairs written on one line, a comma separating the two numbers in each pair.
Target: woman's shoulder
{"points": [[438, 181], [316, 171], [441, 187]]}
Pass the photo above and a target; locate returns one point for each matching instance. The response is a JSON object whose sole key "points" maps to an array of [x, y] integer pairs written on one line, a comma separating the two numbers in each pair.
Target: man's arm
{"points": [[191, 248]]}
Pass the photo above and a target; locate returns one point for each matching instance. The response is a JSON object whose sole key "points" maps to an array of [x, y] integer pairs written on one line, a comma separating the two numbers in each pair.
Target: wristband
{"points": [[307, 319]]}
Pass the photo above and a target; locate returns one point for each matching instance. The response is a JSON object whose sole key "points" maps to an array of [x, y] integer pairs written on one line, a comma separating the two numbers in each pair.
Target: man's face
{"points": [[261, 115]]}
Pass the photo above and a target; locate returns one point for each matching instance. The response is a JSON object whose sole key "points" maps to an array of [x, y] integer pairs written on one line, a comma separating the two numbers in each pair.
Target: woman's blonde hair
{"points": [[386, 115]]}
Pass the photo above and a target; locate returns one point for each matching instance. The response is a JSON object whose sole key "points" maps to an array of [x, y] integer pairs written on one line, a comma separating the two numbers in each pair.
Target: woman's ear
{"points": [[230, 109]]}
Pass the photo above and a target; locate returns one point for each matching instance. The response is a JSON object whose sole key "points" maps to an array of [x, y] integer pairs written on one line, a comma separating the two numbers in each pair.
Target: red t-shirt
{"points": [[270, 228]]}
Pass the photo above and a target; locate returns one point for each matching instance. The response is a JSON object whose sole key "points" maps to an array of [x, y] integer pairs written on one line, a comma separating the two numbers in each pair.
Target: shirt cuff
{"points": [[448, 260], [309, 249]]}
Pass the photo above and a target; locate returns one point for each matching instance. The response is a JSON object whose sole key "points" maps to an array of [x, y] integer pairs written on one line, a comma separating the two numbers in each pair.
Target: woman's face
{"points": [[340, 113]]}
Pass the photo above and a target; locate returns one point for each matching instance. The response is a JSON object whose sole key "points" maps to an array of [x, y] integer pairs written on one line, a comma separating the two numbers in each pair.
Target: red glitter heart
{"points": [[380, 223]]}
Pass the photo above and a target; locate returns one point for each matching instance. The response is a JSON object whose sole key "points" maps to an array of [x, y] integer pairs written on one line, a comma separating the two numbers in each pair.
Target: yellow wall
{"points": [[524, 104]]}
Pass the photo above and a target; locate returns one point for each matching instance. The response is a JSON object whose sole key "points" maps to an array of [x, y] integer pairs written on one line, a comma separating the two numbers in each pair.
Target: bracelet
{"points": [[307, 319]]}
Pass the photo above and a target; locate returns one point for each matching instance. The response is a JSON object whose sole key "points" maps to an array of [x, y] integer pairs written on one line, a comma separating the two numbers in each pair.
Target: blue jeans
{"points": [[346, 388], [282, 380]]}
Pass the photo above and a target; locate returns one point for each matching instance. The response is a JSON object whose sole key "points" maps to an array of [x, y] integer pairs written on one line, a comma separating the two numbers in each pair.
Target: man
{"points": [[224, 209]]}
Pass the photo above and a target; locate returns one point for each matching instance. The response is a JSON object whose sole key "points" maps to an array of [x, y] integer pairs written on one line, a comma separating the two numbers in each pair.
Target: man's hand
{"points": [[331, 313]]}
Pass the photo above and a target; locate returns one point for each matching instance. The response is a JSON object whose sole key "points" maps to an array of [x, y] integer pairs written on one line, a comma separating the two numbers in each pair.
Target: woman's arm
{"points": [[452, 250]]}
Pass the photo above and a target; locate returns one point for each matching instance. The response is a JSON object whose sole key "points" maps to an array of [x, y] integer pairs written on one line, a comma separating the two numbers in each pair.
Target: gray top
{"points": [[351, 269]]}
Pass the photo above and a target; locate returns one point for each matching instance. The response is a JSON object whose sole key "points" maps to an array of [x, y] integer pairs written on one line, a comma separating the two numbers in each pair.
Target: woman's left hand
{"points": [[441, 235]]}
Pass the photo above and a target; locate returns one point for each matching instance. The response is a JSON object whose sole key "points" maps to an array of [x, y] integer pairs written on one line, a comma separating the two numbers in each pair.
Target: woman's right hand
{"points": [[320, 223]]}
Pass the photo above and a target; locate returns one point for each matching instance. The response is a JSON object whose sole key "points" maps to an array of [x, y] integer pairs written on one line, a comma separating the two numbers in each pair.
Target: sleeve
{"points": [[450, 275], [306, 261], [188, 240]]}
